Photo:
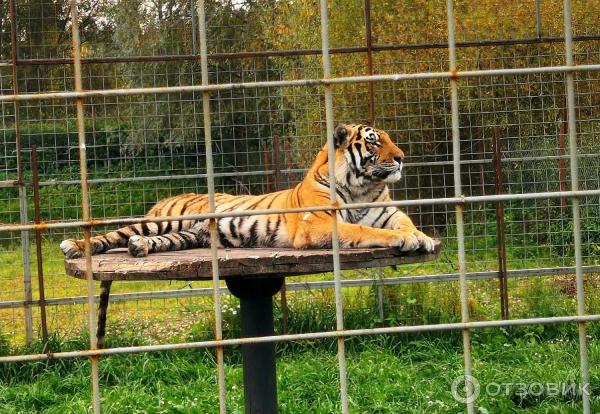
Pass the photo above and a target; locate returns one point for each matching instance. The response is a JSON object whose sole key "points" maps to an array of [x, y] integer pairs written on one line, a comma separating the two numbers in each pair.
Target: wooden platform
{"points": [[195, 264]]}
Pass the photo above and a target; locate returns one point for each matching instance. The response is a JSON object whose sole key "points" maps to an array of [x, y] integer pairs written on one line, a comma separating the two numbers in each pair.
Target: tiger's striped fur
{"points": [[366, 160]]}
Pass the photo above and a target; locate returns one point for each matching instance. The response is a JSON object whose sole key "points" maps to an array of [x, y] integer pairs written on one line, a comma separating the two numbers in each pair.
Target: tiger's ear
{"points": [[340, 135]]}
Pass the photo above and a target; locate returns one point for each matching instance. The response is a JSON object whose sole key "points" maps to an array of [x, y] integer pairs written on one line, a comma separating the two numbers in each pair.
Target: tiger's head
{"points": [[369, 154]]}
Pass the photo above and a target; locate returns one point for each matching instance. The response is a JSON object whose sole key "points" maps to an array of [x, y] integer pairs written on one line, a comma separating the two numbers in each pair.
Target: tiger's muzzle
{"points": [[389, 172]]}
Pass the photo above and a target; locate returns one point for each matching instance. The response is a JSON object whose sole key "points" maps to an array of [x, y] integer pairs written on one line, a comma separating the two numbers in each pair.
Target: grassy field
{"points": [[386, 375], [391, 374], [407, 304]]}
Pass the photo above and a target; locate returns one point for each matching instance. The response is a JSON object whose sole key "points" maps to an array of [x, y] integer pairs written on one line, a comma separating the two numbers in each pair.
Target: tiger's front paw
{"points": [[71, 249], [407, 242], [426, 243], [138, 246]]}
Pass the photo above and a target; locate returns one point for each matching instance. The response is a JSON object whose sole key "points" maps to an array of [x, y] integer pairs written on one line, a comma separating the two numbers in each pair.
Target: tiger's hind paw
{"points": [[71, 249], [138, 246]]}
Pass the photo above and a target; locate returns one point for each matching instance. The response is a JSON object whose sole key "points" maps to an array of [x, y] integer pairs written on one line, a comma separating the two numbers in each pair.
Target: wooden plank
{"points": [[195, 264]]}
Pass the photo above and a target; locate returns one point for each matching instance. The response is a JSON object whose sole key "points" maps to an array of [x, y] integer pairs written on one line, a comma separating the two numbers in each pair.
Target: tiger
{"points": [[366, 162]]}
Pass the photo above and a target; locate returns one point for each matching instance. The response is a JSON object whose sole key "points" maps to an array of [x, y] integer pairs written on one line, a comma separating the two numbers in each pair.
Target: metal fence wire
{"points": [[125, 103]]}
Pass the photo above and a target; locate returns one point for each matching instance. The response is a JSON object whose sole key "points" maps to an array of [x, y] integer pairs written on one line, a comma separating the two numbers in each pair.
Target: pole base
{"points": [[256, 312]]}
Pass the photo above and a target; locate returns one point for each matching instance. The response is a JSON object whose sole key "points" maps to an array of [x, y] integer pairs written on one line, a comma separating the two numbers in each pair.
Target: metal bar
{"points": [[210, 183], [299, 82], [562, 165], [289, 163], [94, 127], [85, 204], [305, 336], [460, 235], [289, 170], [500, 230], [276, 165], [1, 26], [194, 57], [194, 29], [163, 177], [38, 242], [583, 347], [297, 52], [335, 243], [267, 167], [538, 19], [25, 244], [9, 184], [380, 303], [300, 286], [369, 42], [247, 213], [481, 156], [277, 178]]}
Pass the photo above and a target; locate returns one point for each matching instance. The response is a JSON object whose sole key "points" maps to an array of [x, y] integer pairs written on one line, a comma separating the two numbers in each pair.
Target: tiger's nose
{"points": [[399, 159]]}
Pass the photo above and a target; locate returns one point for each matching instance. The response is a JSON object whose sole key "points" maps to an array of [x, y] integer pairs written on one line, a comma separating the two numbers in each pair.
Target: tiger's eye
{"points": [[371, 137]]}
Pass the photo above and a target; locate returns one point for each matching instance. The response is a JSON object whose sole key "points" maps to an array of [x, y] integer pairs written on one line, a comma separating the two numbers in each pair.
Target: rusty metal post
{"points": [[28, 295], [194, 29], [562, 153], [92, 108], [277, 162], [369, 42], [289, 161], [301, 52], [38, 242], [538, 19], [502, 271], [379, 297], [277, 176], [266, 166], [481, 153]]}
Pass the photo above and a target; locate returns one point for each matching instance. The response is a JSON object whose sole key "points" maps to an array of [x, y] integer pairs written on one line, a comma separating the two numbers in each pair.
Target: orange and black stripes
{"points": [[366, 160]]}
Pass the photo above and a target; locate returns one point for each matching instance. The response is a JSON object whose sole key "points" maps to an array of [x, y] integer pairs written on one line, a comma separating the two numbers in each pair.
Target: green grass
{"points": [[168, 320], [386, 375]]}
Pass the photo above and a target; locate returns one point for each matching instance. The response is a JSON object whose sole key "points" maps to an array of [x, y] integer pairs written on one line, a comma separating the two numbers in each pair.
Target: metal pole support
{"points": [[256, 312]]}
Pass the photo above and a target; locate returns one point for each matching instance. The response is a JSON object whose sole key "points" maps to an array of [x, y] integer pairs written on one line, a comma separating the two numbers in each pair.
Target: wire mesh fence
{"points": [[143, 145]]}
